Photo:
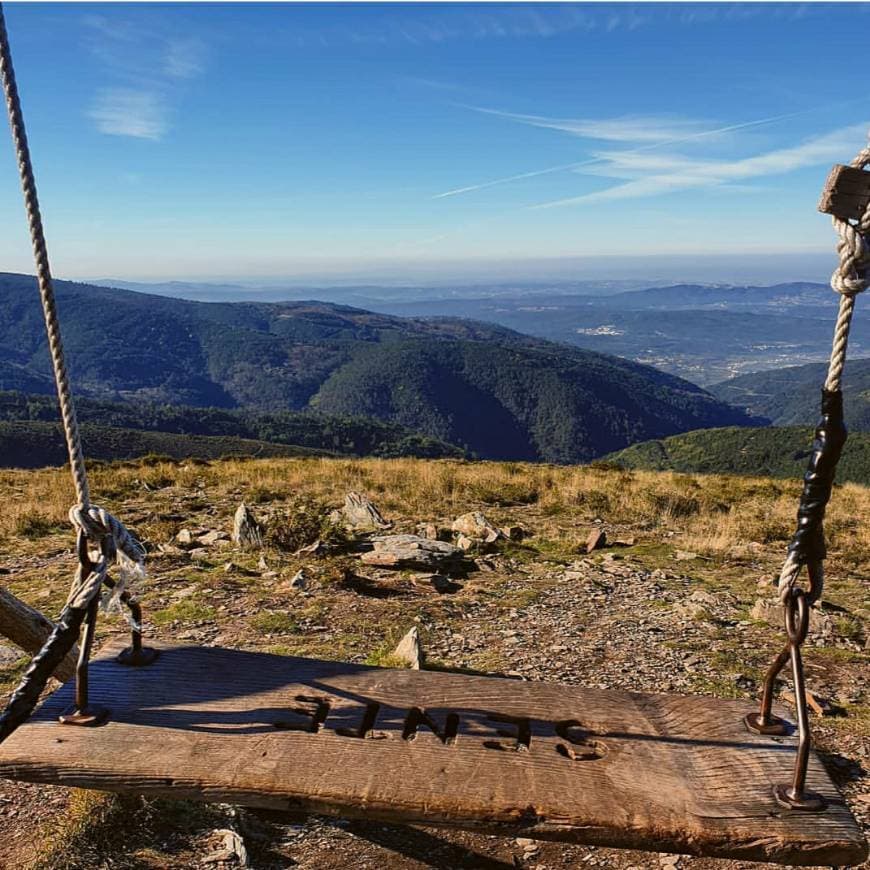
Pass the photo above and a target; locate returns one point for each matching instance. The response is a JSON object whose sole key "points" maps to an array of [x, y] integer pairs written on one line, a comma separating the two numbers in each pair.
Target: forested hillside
{"points": [[484, 388], [771, 451], [178, 430], [790, 396]]}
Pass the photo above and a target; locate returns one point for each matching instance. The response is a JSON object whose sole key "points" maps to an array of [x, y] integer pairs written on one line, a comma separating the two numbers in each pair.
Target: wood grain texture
{"points": [[846, 193], [660, 772], [28, 628]]}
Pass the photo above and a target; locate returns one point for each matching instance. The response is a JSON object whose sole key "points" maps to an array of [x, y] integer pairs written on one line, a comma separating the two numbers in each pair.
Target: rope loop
{"points": [[116, 544], [788, 577], [852, 275]]}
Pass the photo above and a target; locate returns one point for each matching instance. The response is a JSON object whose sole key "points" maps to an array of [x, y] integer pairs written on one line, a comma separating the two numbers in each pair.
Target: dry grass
{"points": [[713, 513], [740, 525]]}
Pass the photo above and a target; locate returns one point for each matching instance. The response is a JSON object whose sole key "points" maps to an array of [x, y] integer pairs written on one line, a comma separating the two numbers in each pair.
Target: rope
{"points": [[43, 271], [851, 277], [98, 525]]}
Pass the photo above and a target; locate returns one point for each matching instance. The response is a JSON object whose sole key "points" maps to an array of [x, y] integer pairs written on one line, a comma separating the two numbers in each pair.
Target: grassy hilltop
{"points": [[672, 606]]}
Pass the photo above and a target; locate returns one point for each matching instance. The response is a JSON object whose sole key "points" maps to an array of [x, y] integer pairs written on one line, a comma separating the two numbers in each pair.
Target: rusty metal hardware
{"points": [[796, 612], [847, 193], [807, 547], [82, 712], [136, 655]]}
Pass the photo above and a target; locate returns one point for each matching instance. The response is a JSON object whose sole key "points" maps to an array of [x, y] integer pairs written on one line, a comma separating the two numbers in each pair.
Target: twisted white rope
{"points": [[99, 526], [851, 277], [116, 545]]}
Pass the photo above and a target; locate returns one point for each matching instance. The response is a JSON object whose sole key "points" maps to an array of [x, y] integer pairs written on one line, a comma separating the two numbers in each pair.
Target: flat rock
{"points": [[209, 539], [412, 551]]}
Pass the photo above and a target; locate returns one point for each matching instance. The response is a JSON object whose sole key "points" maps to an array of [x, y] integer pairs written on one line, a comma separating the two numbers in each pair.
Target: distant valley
{"points": [[481, 388], [667, 326]]}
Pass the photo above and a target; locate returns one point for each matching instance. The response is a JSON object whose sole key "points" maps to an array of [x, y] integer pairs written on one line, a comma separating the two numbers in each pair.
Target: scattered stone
{"points": [[514, 533], [198, 554], [170, 550], [769, 610], [596, 540], [412, 551], [476, 526], [429, 531], [820, 706], [313, 549], [9, 655], [700, 606], [298, 580], [211, 538], [685, 556], [230, 567], [465, 543], [360, 513], [184, 537], [231, 849], [485, 565], [246, 529], [409, 649]]}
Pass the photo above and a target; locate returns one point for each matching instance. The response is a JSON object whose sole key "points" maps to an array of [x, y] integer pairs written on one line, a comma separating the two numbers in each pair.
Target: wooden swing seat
{"points": [[555, 762]]}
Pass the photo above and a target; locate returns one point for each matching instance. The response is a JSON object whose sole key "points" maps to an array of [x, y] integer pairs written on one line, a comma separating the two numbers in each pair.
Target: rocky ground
{"points": [[652, 610]]}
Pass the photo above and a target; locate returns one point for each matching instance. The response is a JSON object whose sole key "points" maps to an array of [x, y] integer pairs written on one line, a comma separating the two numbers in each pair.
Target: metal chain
{"points": [[43, 271]]}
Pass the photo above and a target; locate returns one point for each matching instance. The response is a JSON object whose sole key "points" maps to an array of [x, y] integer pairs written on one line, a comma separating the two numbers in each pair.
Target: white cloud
{"points": [[184, 58], [129, 112], [144, 69], [668, 173]]}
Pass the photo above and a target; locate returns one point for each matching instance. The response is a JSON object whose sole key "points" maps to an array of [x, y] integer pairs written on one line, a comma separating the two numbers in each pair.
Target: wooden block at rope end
{"points": [[847, 193], [655, 772]]}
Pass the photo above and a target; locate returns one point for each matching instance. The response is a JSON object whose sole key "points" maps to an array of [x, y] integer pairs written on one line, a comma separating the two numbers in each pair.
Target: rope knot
{"points": [[117, 545], [106, 530], [852, 276]]}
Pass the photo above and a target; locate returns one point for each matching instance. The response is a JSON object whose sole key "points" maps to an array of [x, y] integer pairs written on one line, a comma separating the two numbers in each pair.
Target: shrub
{"points": [[304, 521], [34, 525]]}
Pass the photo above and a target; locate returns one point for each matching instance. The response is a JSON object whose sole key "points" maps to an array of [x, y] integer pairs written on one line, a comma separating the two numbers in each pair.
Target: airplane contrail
{"points": [[595, 160]]}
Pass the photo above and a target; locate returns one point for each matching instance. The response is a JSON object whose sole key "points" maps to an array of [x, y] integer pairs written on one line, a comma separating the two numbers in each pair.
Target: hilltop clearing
{"points": [[679, 601]]}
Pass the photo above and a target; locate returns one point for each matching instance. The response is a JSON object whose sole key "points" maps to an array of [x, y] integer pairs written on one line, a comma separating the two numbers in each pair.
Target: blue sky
{"points": [[180, 141]]}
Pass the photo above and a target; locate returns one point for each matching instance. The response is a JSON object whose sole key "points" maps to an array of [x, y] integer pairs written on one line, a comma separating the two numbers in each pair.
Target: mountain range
{"points": [[483, 388]]}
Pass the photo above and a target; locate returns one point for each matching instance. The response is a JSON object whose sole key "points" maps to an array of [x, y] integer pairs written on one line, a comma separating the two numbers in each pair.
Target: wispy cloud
{"points": [[144, 66], [128, 112], [612, 130], [628, 128], [184, 58], [669, 173]]}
